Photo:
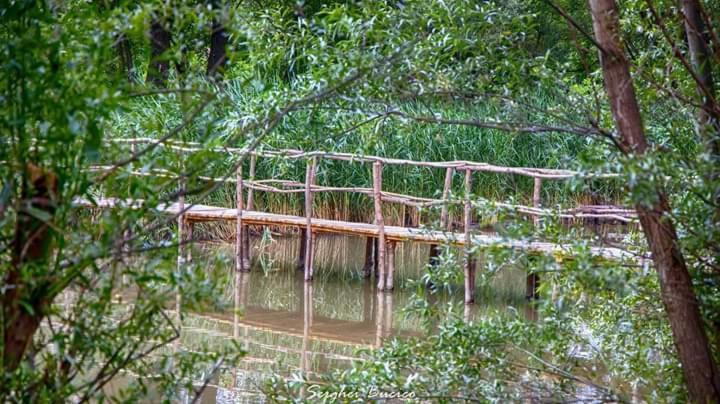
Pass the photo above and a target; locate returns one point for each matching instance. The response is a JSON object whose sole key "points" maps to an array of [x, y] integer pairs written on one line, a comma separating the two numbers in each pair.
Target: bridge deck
{"points": [[205, 213]]}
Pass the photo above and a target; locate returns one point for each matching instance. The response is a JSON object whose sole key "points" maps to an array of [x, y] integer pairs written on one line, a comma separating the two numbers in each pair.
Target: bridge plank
{"points": [[206, 213]]}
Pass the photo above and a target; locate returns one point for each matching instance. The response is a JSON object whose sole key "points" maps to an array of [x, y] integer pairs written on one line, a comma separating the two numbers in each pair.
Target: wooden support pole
{"points": [[377, 196], [533, 280], [301, 250], [368, 267], [188, 238], [249, 206], [239, 253], [444, 213], [375, 256], [469, 262], [390, 265], [309, 182]]}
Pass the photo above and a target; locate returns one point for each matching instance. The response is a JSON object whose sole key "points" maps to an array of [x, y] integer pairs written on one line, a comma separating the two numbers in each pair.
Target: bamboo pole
{"points": [[469, 263], [380, 252], [309, 180], [239, 253], [390, 265]]}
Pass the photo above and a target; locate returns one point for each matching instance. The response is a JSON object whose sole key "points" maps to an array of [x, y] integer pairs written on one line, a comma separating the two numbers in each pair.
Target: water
{"points": [[291, 327]]}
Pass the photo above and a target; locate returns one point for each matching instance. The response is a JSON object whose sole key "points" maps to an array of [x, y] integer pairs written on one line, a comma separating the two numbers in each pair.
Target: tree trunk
{"points": [[159, 67], [124, 50], [217, 60], [698, 39], [32, 241], [701, 373]]}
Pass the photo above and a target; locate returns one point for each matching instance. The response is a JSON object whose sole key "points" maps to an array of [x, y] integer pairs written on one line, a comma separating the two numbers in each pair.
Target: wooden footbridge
{"points": [[382, 239]]}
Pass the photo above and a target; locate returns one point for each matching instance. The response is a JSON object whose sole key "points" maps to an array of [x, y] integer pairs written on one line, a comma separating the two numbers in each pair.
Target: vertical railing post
{"points": [[377, 197], [444, 212], [309, 181], [533, 279], [469, 262], [537, 188], [239, 253]]}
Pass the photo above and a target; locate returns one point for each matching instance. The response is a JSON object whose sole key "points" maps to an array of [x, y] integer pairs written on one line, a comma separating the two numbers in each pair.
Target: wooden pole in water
{"points": [[533, 280], [250, 204], [188, 238], [301, 249], [239, 253], [469, 263], [377, 196], [367, 268], [444, 212], [309, 180], [390, 265]]}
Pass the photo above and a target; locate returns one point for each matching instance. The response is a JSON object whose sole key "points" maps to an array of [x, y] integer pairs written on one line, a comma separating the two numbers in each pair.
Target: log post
{"points": [[239, 253], [533, 279], [377, 196], [469, 262], [390, 265], [309, 180], [444, 212], [301, 250], [367, 268], [189, 238], [249, 206]]}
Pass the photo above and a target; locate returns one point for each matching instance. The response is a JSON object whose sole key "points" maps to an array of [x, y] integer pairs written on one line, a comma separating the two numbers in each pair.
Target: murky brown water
{"points": [[288, 326]]}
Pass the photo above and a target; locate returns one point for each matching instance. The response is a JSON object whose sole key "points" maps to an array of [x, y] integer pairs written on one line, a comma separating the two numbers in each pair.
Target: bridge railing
{"points": [[383, 251]]}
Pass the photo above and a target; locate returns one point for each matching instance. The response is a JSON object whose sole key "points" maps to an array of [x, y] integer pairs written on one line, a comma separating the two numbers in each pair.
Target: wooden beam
{"points": [[379, 222], [309, 181]]}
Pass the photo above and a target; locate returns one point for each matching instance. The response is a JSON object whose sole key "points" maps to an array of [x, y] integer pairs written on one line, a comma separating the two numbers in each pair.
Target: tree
{"points": [[701, 372], [160, 42]]}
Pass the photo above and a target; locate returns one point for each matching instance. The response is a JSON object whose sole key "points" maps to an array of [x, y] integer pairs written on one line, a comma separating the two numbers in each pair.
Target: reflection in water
{"points": [[291, 327]]}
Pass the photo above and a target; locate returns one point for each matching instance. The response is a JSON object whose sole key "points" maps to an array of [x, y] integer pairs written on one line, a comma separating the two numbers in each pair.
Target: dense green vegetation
{"points": [[626, 87]]}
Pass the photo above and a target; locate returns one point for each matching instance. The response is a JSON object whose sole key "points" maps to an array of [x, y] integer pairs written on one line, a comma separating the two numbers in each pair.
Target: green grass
{"points": [[327, 129]]}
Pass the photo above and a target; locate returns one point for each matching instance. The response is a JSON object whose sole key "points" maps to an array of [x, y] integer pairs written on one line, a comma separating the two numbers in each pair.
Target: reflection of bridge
{"points": [[381, 253], [303, 342]]}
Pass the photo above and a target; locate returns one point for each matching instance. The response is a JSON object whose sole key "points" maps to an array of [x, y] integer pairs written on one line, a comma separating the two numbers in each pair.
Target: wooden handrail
{"points": [[545, 173]]}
